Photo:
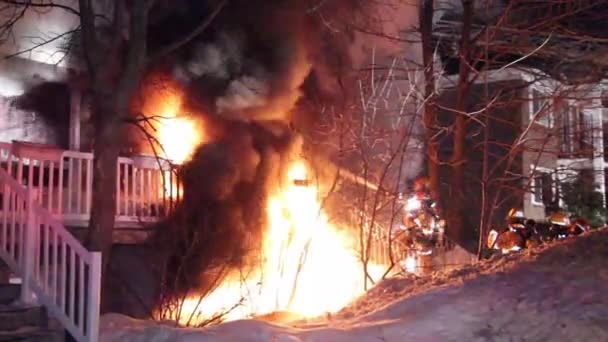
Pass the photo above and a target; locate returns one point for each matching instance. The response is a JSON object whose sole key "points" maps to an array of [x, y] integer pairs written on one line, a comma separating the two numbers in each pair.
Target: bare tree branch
{"points": [[43, 43], [187, 38], [44, 4]]}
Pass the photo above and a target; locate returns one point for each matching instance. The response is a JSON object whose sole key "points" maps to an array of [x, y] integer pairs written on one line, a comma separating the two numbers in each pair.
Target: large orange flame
{"points": [[177, 134], [308, 266], [175, 130]]}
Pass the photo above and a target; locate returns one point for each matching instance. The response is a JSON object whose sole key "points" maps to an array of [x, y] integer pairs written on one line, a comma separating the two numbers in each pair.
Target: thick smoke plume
{"points": [[252, 72], [245, 79], [252, 90]]}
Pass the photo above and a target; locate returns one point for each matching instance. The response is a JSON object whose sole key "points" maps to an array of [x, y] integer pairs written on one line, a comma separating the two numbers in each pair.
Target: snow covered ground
{"points": [[556, 293]]}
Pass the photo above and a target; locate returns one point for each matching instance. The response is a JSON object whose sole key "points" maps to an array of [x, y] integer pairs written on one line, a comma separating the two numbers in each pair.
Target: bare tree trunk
{"points": [[108, 139], [430, 112], [115, 78], [485, 172], [485, 190], [456, 212], [103, 206], [106, 148]]}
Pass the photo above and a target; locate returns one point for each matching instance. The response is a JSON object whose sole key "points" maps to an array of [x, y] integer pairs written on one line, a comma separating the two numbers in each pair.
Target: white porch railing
{"points": [[380, 248], [54, 267], [146, 189]]}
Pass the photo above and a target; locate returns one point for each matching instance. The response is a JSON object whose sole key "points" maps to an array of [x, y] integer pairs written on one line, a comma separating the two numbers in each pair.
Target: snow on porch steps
{"points": [[22, 322], [555, 293]]}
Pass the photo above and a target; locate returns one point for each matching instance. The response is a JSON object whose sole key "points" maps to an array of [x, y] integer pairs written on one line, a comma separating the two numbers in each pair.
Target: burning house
{"points": [[219, 163], [256, 178]]}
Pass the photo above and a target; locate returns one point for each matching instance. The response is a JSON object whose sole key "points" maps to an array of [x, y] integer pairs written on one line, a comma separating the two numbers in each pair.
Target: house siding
{"points": [[540, 152], [542, 144]]}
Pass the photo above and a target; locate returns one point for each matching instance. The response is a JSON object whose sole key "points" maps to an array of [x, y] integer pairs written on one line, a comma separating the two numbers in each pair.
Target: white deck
{"points": [[63, 182]]}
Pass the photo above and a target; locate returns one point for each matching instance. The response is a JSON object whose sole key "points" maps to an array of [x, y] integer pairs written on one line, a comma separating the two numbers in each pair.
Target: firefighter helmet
{"points": [[559, 218], [422, 184], [510, 241], [421, 195], [492, 237], [514, 213], [515, 218]]}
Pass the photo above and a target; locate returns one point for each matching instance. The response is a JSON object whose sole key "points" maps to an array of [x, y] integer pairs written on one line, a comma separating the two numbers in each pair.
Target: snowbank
{"points": [[546, 294]]}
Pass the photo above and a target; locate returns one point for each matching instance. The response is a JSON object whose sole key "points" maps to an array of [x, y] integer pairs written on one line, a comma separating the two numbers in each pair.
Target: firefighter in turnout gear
{"points": [[420, 207], [564, 225], [515, 236], [422, 228], [559, 222], [422, 184]]}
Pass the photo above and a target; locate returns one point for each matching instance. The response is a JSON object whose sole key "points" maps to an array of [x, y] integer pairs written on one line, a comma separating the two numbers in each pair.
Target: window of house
{"points": [[606, 192], [605, 138], [563, 175], [543, 187], [566, 130], [583, 135], [577, 133], [540, 105], [588, 177], [586, 134]]}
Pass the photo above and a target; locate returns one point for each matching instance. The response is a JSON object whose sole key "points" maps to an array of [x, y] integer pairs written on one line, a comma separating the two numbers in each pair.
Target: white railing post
{"points": [[23, 254], [28, 246], [93, 301]]}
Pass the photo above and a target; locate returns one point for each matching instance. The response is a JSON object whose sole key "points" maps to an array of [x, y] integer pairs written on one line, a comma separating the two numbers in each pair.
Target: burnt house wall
{"points": [[34, 102], [24, 125], [48, 106], [505, 163]]}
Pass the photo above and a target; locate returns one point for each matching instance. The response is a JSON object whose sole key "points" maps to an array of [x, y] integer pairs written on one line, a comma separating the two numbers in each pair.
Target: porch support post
{"points": [[75, 108]]}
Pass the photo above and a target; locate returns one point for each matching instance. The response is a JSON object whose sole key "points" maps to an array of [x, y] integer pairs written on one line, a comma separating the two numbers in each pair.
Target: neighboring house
{"points": [[576, 119], [564, 39], [541, 133], [563, 43]]}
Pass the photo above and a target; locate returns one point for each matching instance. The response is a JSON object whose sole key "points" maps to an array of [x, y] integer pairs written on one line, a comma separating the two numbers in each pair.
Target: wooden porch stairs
{"points": [[22, 322], [56, 273]]}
